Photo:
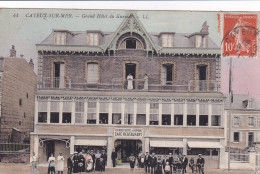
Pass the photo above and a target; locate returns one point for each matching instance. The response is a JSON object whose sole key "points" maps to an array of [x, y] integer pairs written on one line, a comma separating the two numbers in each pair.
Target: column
{"points": [[73, 112], [97, 112], [110, 146], [36, 145], [60, 112], [185, 150], [185, 113], [110, 113], [146, 147], [160, 113], [172, 114], [135, 111], [197, 113], [123, 113], [72, 143], [49, 111], [85, 112], [36, 111], [147, 113], [223, 156], [209, 113]]}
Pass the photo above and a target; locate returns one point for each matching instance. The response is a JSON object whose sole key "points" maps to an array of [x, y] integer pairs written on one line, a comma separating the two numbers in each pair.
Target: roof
{"points": [[238, 102], [182, 42]]}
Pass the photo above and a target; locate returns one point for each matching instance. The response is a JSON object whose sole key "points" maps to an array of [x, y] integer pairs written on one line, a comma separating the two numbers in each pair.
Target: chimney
{"points": [[13, 51], [205, 28], [31, 64]]}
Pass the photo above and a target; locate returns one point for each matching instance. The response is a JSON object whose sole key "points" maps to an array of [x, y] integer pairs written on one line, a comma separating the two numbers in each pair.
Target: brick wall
{"points": [[112, 67], [18, 81]]}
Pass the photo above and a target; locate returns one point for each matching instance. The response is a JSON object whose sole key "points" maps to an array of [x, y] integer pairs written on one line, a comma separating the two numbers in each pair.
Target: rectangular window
{"points": [[42, 117], [59, 75], [54, 117], [166, 119], [66, 117], [66, 112], [167, 74], [140, 119], [191, 120], [236, 121], [236, 137], [92, 73], [251, 121], [103, 118], [116, 118], [154, 119], [203, 120], [116, 113], [215, 120], [42, 112], [141, 108], [216, 109], [178, 119], [79, 112], [129, 113], [91, 115]]}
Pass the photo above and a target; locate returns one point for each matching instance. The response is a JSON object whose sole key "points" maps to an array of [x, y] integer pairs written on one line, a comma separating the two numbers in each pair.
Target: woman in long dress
{"points": [[98, 161], [132, 162], [60, 159], [130, 81], [145, 82]]}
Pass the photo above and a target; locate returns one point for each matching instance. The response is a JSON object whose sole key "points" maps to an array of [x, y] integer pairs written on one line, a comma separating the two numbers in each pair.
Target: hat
{"points": [[71, 153], [75, 152], [199, 154]]}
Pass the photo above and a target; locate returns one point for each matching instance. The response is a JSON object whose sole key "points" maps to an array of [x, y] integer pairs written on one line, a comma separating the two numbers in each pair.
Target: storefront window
{"points": [[92, 109], [197, 151]]}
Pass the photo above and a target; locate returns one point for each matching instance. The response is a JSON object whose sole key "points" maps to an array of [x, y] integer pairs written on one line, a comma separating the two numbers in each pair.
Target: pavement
{"points": [[14, 168]]}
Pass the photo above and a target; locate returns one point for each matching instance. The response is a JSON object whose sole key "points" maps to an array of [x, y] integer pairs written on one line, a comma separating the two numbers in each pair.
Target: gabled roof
{"points": [[238, 104]]}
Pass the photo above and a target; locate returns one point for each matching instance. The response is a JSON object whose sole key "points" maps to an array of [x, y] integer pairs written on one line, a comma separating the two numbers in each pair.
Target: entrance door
{"points": [[124, 148], [130, 68], [250, 139], [50, 148]]}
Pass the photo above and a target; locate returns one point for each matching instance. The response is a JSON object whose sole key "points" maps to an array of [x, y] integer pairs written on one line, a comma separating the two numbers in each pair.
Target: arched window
{"points": [[131, 43]]}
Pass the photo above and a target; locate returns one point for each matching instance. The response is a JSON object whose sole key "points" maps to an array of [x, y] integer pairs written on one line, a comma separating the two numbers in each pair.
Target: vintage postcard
{"points": [[122, 91]]}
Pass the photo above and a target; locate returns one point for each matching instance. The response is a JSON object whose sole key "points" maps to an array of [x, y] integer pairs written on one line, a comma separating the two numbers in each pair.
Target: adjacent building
{"points": [[130, 90], [245, 121], [17, 97]]}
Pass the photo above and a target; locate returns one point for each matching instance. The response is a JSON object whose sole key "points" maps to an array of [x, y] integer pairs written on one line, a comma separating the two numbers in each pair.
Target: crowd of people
{"points": [[168, 164], [79, 162]]}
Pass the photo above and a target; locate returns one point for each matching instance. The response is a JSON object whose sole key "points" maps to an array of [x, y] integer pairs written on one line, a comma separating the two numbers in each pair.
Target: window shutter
{"points": [[232, 136], [255, 120], [247, 121], [239, 121], [92, 73], [163, 74], [232, 120]]}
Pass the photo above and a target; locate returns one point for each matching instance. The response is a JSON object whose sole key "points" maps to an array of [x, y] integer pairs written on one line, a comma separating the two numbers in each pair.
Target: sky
{"points": [[25, 28]]}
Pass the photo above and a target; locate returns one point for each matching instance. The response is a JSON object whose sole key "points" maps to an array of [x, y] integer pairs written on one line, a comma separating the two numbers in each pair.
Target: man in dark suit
{"points": [[70, 163], [184, 162], [153, 163], [113, 157], [200, 164], [147, 162], [104, 161], [170, 160]]}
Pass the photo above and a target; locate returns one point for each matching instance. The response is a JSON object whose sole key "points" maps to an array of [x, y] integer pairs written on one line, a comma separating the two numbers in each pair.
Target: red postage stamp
{"points": [[240, 35]]}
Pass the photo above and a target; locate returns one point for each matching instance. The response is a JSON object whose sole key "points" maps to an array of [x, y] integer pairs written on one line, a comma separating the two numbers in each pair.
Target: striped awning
{"points": [[203, 144], [169, 144]]}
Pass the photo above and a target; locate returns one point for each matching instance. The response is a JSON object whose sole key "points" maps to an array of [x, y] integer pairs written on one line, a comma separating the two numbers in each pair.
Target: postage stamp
{"points": [[240, 35]]}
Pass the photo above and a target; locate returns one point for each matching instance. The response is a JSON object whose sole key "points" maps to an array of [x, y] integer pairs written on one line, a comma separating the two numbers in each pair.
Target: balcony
{"points": [[118, 84]]}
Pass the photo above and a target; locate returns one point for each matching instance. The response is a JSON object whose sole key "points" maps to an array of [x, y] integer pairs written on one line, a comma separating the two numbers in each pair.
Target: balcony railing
{"points": [[118, 84], [203, 86]]}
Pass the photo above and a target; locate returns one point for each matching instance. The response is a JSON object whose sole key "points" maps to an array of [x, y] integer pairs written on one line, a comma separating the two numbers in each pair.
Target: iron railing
{"points": [[118, 84], [9, 148]]}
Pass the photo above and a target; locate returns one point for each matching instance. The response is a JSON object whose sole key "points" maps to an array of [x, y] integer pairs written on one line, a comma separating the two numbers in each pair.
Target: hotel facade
{"points": [[85, 100]]}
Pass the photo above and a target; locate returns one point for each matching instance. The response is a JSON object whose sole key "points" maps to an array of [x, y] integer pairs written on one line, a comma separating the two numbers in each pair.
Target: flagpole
{"points": [[230, 111]]}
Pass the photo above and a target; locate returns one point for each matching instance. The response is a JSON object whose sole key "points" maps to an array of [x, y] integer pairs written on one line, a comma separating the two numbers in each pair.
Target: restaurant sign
{"points": [[128, 132]]}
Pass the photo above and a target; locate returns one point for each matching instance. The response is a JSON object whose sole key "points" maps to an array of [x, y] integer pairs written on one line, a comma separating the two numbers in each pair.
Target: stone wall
{"points": [[18, 91]]}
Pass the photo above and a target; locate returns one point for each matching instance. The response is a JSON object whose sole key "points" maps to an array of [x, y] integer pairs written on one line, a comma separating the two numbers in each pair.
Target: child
{"points": [[167, 168], [52, 167]]}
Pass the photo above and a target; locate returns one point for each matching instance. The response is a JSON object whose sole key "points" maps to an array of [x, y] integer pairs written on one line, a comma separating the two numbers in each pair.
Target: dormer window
{"points": [[60, 38], [93, 39], [130, 44], [248, 104], [201, 41], [167, 39]]}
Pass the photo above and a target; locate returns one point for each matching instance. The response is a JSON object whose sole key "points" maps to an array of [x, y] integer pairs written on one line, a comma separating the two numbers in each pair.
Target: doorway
{"points": [[124, 148], [130, 68], [50, 148]]}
